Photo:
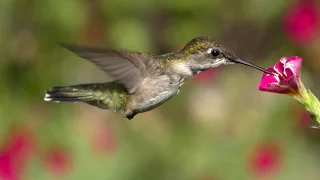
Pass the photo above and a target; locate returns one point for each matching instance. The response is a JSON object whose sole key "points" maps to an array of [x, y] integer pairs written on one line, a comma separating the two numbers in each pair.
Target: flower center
{"points": [[283, 73]]}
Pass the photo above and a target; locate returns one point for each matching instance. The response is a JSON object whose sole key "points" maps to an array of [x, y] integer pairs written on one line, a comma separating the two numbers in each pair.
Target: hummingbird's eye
{"points": [[215, 53]]}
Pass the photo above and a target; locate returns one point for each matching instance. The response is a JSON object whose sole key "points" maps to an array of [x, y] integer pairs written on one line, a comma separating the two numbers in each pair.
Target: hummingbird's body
{"points": [[143, 80]]}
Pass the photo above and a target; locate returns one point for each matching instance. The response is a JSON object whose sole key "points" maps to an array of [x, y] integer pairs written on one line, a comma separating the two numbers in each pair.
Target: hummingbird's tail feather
{"points": [[109, 95], [66, 94]]}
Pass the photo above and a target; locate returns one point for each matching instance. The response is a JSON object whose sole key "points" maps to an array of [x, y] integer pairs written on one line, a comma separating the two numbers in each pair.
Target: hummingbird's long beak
{"points": [[237, 60]]}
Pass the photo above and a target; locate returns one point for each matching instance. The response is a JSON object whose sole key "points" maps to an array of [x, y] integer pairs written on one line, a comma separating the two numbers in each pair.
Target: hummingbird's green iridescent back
{"points": [[111, 95]]}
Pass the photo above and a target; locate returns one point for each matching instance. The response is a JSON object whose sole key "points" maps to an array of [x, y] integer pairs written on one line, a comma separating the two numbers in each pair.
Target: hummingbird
{"points": [[142, 81]]}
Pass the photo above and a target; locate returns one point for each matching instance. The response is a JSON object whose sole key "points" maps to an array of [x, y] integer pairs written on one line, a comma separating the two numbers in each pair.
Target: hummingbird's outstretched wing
{"points": [[126, 67]]}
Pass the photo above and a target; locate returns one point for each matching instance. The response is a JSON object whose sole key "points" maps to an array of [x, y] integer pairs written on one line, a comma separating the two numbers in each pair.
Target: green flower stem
{"points": [[314, 108], [311, 103]]}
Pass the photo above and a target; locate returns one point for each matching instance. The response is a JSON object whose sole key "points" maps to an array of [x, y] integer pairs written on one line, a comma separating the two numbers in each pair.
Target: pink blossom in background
{"points": [[265, 159], [302, 119], [104, 139], [58, 161], [8, 169], [286, 77], [15, 153], [302, 21]]}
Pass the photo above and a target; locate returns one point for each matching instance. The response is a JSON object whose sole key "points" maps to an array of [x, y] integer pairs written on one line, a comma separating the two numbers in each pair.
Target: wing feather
{"points": [[126, 67]]}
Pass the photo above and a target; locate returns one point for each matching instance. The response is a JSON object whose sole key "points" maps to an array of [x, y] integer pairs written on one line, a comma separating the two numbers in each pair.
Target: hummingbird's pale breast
{"points": [[153, 92]]}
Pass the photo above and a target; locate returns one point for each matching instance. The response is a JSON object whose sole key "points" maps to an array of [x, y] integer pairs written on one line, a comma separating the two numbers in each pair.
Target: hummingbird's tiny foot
{"points": [[130, 114], [129, 117]]}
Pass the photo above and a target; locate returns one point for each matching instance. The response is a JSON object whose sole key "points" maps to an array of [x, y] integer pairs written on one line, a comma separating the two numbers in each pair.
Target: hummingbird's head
{"points": [[204, 53]]}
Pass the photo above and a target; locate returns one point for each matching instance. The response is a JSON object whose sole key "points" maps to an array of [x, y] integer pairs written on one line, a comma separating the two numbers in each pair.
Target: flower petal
{"points": [[268, 83], [279, 66], [291, 82], [288, 72], [270, 70], [275, 88], [294, 64], [269, 80]]}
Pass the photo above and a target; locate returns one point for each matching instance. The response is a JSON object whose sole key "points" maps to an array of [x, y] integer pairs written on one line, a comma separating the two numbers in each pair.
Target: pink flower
{"points": [[15, 153], [8, 168], [265, 159], [301, 22], [58, 161], [302, 119], [286, 77], [104, 140]]}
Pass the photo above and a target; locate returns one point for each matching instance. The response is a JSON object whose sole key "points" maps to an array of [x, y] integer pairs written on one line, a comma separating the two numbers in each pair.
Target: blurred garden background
{"points": [[220, 127]]}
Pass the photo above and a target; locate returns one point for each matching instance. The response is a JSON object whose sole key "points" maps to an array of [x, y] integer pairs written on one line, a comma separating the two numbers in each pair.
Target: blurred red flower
{"points": [[58, 161], [8, 170], [303, 119], [103, 139], [15, 153], [265, 159], [301, 21]]}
